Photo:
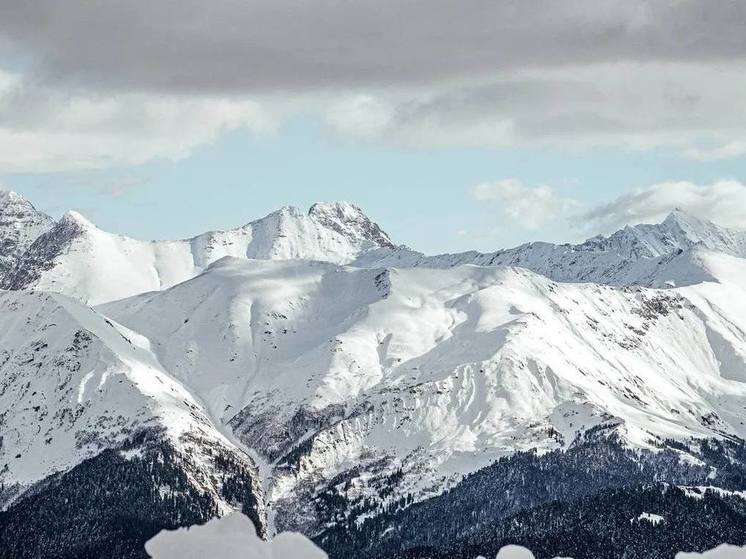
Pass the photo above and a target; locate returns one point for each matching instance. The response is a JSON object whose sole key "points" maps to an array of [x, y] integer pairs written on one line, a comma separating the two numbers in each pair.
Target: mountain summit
{"points": [[652, 255], [20, 225], [679, 231], [74, 257]]}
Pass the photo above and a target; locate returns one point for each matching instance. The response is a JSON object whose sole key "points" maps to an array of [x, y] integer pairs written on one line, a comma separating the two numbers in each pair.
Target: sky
{"points": [[455, 126]]}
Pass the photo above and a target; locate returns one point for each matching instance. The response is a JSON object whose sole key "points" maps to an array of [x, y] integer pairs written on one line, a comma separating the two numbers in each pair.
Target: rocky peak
{"points": [[350, 221], [75, 219], [20, 225], [679, 231]]}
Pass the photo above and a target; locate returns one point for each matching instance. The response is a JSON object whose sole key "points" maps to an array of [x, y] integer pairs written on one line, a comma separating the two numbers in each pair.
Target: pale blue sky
{"points": [[422, 197]]}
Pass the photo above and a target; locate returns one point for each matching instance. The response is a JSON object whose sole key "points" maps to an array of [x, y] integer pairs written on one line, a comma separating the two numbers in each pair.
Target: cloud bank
{"points": [[233, 45], [92, 81], [43, 129]]}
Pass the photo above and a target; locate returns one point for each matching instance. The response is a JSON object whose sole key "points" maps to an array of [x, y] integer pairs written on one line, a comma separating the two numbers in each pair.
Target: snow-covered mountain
{"points": [[73, 383], [309, 372], [20, 225], [433, 374], [659, 255], [76, 258]]}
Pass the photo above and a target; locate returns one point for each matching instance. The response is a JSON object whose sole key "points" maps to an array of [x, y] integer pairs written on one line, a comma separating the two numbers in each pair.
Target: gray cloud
{"points": [[231, 46], [96, 84], [692, 107]]}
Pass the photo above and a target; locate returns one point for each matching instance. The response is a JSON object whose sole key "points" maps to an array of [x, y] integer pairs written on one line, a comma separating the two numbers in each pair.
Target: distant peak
{"points": [[15, 207], [291, 211], [8, 195], [339, 208], [11, 197], [682, 217], [349, 220], [73, 217], [693, 228]]}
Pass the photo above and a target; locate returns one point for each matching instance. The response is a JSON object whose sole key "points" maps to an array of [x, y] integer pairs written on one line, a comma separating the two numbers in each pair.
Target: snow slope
{"points": [[76, 258], [72, 384], [310, 342], [438, 372], [659, 255]]}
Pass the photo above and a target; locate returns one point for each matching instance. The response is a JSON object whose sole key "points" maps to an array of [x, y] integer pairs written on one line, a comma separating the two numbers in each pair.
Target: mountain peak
{"points": [[338, 207], [20, 225], [9, 196], [71, 216], [685, 219], [349, 220]]}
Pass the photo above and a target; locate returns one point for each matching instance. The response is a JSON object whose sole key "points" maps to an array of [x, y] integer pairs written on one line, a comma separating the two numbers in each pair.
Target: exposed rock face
{"points": [[20, 225]]}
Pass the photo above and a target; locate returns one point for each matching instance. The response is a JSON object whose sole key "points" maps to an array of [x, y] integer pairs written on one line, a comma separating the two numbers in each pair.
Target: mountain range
{"points": [[310, 372]]}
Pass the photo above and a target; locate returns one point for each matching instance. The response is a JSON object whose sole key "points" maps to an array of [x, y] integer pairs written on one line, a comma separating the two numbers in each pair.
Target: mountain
{"points": [[423, 376], [20, 225], [76, 258], [659, 255], [442, 407], [87, 412]]}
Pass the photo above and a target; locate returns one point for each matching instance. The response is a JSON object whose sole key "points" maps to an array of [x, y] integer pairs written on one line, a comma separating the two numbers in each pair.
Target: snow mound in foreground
{"points": [[230, 537], [724, 551], [234, 537], [721, 552]]}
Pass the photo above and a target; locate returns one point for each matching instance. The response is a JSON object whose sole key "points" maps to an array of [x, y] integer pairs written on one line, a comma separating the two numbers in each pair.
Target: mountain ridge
{"points": [[75, 257], [305, 370]]}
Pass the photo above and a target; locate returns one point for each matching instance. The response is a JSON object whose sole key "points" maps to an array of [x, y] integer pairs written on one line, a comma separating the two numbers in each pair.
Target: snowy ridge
{"points": [[440, 372], [660, 255], [73, 383], [318, 355], [76, 258]]}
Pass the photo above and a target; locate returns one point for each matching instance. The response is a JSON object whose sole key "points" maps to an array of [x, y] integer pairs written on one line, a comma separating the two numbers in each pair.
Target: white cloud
{"points": [[723, 202], [44, 130], [529, 207], [679, 106]]}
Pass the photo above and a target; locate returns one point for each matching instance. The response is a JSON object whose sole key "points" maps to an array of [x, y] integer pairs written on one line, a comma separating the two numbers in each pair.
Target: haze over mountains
{"points": [[307, 370]]}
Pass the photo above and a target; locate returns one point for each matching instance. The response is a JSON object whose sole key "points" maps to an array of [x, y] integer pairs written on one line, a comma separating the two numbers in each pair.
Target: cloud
{"points": [[43, 129], [633, 106], [529, 207], [238, 46], [729, 150], [722, 202], [121, 83]]}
